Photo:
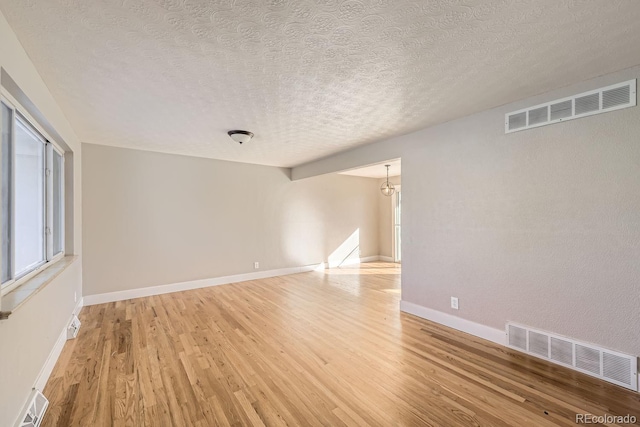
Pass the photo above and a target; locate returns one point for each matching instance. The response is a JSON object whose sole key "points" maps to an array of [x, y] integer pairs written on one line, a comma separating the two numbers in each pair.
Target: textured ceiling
{"points": [[308, 77]]}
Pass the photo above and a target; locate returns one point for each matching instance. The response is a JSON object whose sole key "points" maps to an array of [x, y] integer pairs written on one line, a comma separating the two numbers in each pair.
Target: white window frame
{"points": [[50, 204], [20, 113]]}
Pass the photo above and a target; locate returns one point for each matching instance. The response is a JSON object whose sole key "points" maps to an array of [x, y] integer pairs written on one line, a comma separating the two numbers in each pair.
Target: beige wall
{"points": [[385, 220], [29, 335], [540, 227], [154, 219]]}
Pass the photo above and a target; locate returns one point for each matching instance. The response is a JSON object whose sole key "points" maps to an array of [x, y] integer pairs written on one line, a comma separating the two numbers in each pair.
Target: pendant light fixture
{"points": [[387, 188]]}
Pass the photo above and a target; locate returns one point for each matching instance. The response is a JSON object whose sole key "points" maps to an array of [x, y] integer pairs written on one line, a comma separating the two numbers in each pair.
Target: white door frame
{"points": [[394, 199]]}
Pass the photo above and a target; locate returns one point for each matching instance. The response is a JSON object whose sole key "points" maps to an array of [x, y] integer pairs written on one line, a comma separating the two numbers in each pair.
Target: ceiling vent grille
{"points": [[603, 100], [608, 365]]}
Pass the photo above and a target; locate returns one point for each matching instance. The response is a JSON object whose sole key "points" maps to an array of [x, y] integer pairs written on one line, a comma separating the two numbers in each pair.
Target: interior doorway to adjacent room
{"points": [[397, 224]]}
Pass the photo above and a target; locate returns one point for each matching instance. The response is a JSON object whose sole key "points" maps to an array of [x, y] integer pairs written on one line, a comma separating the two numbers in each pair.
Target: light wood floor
{"points": [[310, 349]]}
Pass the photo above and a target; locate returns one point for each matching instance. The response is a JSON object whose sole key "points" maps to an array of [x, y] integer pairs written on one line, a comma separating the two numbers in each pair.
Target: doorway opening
{"points": [[397, 225]]}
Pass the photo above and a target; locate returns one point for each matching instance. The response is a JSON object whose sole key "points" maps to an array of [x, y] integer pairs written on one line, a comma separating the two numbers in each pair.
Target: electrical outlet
{"points": [[454, 303], [256, 265]]}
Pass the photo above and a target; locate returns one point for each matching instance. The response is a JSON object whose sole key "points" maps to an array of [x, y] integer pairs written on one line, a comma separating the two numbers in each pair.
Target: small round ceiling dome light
{"points": [[387, 188], [240, 136]]}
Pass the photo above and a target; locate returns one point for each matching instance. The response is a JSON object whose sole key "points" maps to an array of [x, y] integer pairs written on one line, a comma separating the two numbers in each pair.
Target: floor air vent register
{"points": [[73, 328], [33, 413], [614, 367]]}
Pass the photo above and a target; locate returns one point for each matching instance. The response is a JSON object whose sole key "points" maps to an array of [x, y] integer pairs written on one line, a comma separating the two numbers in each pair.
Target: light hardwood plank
{"points": [[316, 349]]}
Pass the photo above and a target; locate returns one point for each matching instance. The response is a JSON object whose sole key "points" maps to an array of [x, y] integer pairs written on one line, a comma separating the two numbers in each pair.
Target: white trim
{"points": [[215, 281], [193, 284], [385, 258], [16, 106], [394, 238], [20, 117], [13, 284], [48, 366], [352, 261], [62, 199], [482, 331]]}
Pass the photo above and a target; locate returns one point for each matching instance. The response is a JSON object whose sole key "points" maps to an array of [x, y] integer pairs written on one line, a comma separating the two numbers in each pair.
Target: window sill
{"points": [[20, 295]]}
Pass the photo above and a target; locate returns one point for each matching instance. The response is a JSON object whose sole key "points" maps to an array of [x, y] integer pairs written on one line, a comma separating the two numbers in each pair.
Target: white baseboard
{"points": [[48, 366], [205, 283], [482, 331], [194, 284], [353, 261]]}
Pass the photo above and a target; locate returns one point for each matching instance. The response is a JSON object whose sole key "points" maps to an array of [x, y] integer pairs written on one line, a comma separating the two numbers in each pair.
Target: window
{"points": [[7, 173], [32, 199], [58, 206], [29, 218]]}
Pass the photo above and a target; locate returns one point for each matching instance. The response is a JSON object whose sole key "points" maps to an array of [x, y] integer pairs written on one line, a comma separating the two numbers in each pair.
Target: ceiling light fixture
{"points": [[387, 188], [240, 136]]}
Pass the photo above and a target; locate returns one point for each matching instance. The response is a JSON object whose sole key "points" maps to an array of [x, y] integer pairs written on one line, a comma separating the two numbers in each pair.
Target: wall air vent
{"points": [[603, 100], [33, 413], [608, 365], [73, 328], [517, 337], [517, 121]]}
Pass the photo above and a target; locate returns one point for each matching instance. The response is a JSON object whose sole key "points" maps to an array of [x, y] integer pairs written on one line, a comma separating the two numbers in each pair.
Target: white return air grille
{"points": [[73, 328], [610, 98], [34, 411], [611, 366]]}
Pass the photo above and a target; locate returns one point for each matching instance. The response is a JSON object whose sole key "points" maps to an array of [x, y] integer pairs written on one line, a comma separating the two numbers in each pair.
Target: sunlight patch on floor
{"points": [[356, 271], [369, 268]]}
